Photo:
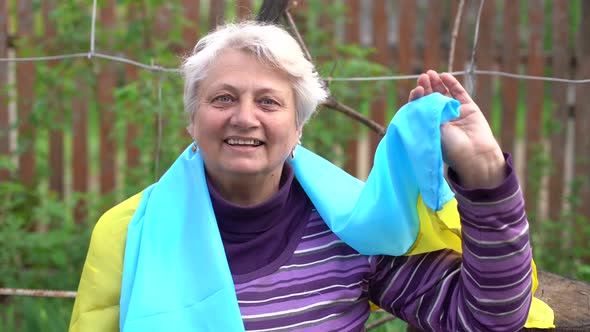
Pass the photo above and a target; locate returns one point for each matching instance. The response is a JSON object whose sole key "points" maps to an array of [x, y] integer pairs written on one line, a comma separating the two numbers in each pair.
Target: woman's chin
{"points": [[245, 168]]}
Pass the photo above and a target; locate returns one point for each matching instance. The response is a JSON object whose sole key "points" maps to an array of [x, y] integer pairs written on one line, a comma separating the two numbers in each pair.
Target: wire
{"points": [[90, 55], [533, 78], [461, 73]]}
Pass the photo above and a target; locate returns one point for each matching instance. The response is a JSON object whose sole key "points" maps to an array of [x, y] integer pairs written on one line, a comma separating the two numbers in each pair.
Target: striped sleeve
{"points": [[487, 288]]}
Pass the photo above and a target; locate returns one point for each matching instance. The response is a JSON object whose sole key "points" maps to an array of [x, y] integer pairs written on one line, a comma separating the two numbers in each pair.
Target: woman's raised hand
{"points": [[468, 145]]}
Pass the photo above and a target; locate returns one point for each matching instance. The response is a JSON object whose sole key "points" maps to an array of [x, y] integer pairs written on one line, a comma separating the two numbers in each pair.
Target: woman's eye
{"points": [[268, 102], [223, 99]]}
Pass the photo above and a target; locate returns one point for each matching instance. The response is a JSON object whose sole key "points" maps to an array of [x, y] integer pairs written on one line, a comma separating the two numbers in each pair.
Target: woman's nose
{"points": [[244, 115]]}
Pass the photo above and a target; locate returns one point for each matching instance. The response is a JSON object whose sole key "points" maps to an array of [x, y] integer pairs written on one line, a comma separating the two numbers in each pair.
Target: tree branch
{"points": [[456, 27], [298, 37], [350, 112]]}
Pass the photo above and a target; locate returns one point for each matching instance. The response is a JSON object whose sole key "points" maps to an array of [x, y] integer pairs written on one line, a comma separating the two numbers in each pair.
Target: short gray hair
{"points": [[270, 44]]}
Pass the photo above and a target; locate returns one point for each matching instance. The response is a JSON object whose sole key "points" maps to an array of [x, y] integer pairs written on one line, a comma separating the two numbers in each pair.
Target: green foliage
{"points": [[565, 237], [396, 325], [42, 249]]}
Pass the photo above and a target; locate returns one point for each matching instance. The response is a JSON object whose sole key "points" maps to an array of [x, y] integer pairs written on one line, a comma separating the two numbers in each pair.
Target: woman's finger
{"points": [[436, 83], [424, 82], [417, 92], [456, 89]]}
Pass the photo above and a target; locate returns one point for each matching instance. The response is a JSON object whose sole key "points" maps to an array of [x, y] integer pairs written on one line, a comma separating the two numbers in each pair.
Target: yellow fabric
{"points": [[96, 308], [541, 315], [442, 229]]}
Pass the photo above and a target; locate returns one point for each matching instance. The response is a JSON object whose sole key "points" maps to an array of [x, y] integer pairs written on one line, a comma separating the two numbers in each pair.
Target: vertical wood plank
{"points": [[327, 26], [4, 119], [162, 25], [25, 77], [245, 8], [216, 13], [509, 86], [582, 118], [80, 146], [131, 75], [106, 86], [56, 136], [561, 68], [163, 28], [352, 37], [383, 57], [190, 33], [534, 101], [190, 36], [407, 30], [299, 10], [432, 42], [133, 153], [485, 50], [80, 149]]}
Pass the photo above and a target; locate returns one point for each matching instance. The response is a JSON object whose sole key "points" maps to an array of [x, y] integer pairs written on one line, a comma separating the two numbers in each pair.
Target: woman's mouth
{"points": [[243, 142]]}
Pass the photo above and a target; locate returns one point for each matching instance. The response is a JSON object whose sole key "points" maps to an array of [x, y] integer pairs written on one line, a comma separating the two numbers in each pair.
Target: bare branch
{"points": [[293, 27], [456, 27], [470, 76], [347, 110]]}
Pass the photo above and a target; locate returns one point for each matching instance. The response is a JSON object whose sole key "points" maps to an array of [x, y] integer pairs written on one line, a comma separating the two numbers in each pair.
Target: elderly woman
{"points": [[248, 230]]}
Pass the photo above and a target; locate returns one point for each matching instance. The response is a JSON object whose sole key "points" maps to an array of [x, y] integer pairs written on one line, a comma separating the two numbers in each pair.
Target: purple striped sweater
{"points": [[292, 273]]}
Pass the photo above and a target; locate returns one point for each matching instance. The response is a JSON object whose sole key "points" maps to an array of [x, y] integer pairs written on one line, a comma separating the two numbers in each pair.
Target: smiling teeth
{"points": [[237, 141]]}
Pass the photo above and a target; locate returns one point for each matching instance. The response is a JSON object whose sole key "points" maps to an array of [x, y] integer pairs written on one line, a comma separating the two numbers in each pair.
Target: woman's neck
{"points": [[246, 190]]}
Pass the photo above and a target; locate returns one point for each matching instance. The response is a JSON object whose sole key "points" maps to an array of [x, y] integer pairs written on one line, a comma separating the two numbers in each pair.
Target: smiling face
{"points": [[245, 122]]}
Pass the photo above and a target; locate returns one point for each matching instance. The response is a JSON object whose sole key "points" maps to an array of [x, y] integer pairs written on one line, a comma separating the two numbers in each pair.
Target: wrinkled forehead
{"points": [[237, 68]]}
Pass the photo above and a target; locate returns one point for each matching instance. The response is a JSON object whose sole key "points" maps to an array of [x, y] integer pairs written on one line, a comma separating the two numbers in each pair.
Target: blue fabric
{"points": [[380, 216], [175, 274]]}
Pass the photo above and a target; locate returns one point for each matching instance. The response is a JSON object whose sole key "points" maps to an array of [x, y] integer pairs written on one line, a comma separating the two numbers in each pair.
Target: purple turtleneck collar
{"points": [[258, 239]]}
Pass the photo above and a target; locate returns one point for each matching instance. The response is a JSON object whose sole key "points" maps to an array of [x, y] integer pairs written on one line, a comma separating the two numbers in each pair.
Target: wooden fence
{"points": [[532, 37]]}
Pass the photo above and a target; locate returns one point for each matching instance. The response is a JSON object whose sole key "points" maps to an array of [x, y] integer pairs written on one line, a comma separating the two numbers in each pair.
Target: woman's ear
{"points": [[192, 127], [298, 142], [191, 130]]}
